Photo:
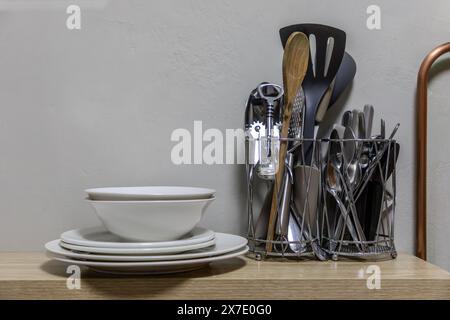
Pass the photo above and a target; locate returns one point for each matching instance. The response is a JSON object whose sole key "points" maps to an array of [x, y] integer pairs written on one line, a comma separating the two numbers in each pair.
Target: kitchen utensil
{"points": [[368, 116], [306, 194], [376, 189], [255, 132], [270, 111], [349, 153], [370, 194], [295, 132], [352, 170], [325, 100], [159, 220], [334, 184], [249, 169], [303, 235], [376, 157], [366, 146], [102, 238], [257, 153], [363, 152], [333, 187], [321, 71], [394, 131], [377, 154], [348, 175], [284, 208], [270, 93], [149, 193], [324, 103], [263, 218], [344, 77], [355, 122], [347, 119], [295, 235], [255, 123], [134, 251], [256, 107], [349, 193], [360, 135], [150, 267], [336, 135], [296, 124], [361, 162], [225, 243], [295, 64]]}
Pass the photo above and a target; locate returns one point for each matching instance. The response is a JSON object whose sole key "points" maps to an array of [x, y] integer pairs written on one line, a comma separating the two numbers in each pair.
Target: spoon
{"points": [[306, 235], [351, 162], [296, 237], [334, 188], [295, 65], [347, 118], [336, 185]]}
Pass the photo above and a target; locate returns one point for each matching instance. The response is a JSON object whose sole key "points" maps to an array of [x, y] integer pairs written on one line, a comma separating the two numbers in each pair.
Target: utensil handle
{"points": [[278, 176], [286, 196]]}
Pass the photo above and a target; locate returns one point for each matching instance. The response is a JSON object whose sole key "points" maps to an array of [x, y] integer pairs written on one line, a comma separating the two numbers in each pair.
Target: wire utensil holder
{"points": [[329, 206]]}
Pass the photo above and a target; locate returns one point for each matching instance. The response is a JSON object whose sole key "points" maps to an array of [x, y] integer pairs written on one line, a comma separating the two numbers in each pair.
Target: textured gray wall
{"points": [[96, 107]]}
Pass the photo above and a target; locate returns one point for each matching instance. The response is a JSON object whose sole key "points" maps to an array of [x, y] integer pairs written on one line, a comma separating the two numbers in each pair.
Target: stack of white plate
{"points": [[141, 232]]}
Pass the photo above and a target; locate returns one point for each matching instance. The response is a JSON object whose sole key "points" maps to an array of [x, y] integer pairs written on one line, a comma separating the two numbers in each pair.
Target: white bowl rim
{"points": [[111, 189], [151, 201]]}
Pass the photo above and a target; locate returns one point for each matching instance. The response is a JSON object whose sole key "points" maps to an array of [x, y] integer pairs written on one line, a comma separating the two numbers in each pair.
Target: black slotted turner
{"points": [[317, 79]]}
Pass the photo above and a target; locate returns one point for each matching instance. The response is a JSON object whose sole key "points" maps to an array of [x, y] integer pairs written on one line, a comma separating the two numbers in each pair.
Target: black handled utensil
{"points": [[376, 189], [343, 79]]}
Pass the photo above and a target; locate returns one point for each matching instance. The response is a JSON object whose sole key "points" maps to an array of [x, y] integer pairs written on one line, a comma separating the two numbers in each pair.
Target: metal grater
{"points": [[296, 124]]}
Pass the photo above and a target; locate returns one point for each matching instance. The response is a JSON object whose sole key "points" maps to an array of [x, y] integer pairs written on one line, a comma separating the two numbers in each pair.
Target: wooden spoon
{"points": [[295, 65]]}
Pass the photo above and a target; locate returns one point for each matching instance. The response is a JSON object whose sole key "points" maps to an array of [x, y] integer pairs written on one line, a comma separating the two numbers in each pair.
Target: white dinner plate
{"points": [[99, 237], [225, 243], [150, 193], [154, 267], [149, 251]]}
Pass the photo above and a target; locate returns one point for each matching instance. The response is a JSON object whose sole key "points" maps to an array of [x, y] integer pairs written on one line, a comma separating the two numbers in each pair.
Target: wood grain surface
{"points": [[32, 275]]}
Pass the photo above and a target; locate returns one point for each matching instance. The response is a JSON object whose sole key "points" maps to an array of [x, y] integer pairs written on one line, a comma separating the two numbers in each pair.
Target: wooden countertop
{"points": [[33, 276]]}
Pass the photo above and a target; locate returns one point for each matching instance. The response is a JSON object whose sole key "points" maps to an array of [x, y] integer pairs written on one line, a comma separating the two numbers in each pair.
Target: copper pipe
{"points": [[421, 187]]}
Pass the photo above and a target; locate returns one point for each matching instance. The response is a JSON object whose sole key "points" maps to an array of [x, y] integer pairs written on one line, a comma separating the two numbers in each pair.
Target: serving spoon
{"points": [[295, 65]]}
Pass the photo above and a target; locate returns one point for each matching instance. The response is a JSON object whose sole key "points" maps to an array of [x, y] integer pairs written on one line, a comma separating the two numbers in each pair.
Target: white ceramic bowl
{"points": [[149, 193], [162, 220]]}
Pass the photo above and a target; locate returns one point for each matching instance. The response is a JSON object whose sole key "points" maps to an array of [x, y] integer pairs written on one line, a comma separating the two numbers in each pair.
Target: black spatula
{"points": [[322, 69], [344, 77]]}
